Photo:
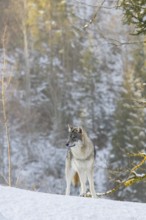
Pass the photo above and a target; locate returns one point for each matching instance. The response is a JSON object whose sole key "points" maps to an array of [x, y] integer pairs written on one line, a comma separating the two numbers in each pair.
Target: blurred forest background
{"points": [[54, 72]]}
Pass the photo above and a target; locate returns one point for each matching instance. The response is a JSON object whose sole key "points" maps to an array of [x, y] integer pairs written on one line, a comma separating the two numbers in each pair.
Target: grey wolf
{"points": [[80, 160]]}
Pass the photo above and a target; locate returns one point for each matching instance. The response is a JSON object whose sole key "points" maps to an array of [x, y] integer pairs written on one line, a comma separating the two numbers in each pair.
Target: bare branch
{"points": [[93, 17], [119, 43], [96, 6]]}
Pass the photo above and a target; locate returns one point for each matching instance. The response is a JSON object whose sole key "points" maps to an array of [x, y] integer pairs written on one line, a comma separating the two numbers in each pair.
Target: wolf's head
{"points": [[75, 136]]}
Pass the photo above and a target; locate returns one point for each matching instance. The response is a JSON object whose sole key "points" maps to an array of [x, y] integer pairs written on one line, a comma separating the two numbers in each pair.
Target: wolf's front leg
{"points": [[83, 179], [68, 175], [91, 183]]}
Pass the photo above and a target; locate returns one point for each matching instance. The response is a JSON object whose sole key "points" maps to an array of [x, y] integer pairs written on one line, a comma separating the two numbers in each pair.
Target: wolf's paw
{"points": [[83, 195], [95, 196]]}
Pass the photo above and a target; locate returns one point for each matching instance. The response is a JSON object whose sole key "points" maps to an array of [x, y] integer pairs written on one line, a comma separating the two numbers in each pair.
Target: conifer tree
{"points": [[135, 13]]}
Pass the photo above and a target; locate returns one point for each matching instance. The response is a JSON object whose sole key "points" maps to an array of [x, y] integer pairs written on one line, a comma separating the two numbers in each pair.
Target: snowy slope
{"points": [[17, 204]]}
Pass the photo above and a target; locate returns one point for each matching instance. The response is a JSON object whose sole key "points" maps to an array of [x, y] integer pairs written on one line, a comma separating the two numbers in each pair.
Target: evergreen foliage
{"points": [[135, 13]]}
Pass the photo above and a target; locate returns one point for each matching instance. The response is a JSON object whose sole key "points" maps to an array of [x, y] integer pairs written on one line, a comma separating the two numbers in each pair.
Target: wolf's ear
{"points": [[69, 128], [80, 130]]}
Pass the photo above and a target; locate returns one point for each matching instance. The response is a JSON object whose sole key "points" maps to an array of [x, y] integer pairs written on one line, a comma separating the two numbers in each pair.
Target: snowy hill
{"points": [[17, 204]]}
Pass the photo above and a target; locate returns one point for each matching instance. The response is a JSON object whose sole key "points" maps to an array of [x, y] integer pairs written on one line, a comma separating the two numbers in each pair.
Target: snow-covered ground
{"points": [[17, 204]]}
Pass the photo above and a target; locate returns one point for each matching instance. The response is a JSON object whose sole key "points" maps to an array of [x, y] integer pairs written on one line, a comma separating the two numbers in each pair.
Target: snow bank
{"points": [[17, 204]]}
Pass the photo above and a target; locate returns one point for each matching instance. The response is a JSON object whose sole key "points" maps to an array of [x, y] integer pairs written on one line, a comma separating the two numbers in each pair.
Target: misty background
{"points": [[55, 72]]}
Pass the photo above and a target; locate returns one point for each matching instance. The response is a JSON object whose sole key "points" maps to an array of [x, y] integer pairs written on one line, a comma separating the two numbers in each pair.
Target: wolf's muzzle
{"points": [[69, 145]]}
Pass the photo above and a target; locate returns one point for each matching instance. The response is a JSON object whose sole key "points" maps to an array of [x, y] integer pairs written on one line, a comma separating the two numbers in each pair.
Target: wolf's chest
{"points": [[81, 165], [79, 152], [81, 155]]}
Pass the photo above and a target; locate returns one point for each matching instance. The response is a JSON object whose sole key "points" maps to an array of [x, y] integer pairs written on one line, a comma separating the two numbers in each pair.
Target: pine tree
{"points": [[134, 13]]}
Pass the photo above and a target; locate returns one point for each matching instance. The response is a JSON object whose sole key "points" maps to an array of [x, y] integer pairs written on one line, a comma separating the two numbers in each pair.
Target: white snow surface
{"points": [[18, 204]]}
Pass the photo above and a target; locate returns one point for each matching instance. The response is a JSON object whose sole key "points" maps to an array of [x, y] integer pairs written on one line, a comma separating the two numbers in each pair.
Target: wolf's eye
{"points": [[74, 138]]}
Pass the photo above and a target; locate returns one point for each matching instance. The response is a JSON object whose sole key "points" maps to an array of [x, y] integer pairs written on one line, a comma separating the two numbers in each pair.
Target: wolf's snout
{"points": [[67, 144]]}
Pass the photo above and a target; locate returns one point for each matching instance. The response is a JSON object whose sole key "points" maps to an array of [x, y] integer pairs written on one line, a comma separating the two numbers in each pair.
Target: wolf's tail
{"points": [[75, 179]]}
